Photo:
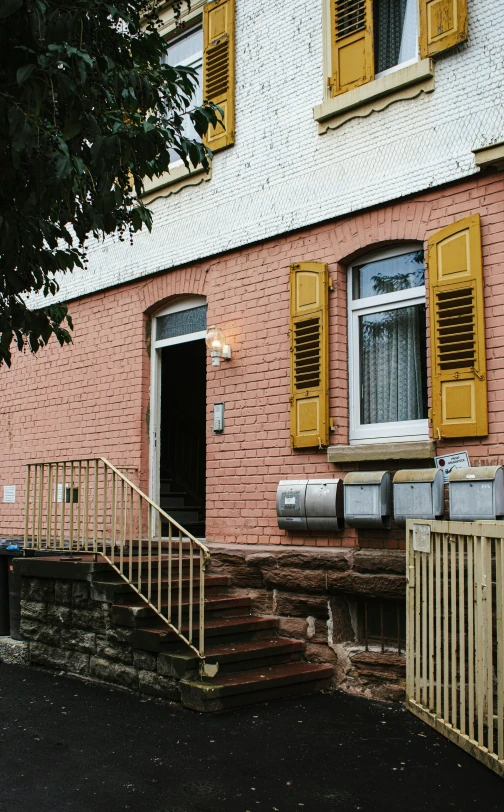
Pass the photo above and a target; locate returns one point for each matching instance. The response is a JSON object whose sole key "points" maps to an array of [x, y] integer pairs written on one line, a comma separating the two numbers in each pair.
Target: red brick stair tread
{"points": [[259, 679], [249, 649], [211, 602], [213, 625]]}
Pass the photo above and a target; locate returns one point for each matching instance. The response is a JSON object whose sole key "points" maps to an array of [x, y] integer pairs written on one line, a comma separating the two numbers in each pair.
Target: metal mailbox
{"points": [[418, 495], [324, 505], [476, 493], [290, 504], [310, 504], [368, 499]]}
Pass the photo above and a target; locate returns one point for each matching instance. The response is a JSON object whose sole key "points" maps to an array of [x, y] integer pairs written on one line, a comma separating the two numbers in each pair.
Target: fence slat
{"points": [[437, 542], [462, 632], [453, 631], [499, 574]]}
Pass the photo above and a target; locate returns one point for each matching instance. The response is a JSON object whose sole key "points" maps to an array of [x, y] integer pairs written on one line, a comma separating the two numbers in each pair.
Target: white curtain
{"points": [[392, 348], [409, 39]]}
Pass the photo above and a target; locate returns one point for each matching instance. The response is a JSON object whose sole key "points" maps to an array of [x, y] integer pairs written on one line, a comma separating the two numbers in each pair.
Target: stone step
{"points": [[111, 590], [155, 636], [135, 610], [254, 685], [236, 656]]}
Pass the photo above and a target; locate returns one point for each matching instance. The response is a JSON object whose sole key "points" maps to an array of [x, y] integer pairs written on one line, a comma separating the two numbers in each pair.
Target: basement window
{"points": [[382, 623]]}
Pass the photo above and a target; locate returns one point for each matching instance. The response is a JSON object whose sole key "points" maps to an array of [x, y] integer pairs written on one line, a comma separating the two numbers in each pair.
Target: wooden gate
{"points": [[455, 633]]}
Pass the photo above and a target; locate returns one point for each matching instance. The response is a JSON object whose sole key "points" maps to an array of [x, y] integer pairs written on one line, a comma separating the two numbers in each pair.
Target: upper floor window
{"points": [[370, 37], [395, 33], [387, 347], [188, 51]]}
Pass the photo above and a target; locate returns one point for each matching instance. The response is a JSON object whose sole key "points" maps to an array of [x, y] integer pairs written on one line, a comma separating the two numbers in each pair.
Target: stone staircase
{"points": [[255, 664]]}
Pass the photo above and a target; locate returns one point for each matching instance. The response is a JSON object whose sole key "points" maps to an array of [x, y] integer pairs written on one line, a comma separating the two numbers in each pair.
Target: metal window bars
{"points": [[89, 506]]}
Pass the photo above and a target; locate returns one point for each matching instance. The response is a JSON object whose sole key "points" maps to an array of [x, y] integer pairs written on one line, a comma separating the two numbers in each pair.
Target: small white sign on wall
{"points": [[450, 461], [421, 538], [9, 493]]}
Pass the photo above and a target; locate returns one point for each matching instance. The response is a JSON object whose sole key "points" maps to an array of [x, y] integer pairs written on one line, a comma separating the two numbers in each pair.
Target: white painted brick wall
{"points": [[282, 175]]}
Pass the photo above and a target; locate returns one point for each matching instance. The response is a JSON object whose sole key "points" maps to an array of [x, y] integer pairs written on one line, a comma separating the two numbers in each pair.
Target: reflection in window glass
{"points": [[395, 32], [188, 51], [393, 365], [389, 275]]}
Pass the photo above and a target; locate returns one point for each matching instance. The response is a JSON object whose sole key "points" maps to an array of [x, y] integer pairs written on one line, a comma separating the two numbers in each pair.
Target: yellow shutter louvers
{"points": [[443, 24], [458, 361], [309, 355], [351, 44], [218, 68]]}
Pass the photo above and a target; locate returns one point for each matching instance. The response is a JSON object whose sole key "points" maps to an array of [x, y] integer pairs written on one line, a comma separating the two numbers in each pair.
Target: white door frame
{"points": [[181, 303]]}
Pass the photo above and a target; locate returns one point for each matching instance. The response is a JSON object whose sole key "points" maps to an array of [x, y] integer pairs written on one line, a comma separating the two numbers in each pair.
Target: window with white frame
{"points": [[387, 346], [395, 34], [187, 50]]}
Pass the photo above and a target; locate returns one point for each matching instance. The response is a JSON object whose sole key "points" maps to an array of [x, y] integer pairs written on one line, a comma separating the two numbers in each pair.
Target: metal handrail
{"points": [[87, 505]]}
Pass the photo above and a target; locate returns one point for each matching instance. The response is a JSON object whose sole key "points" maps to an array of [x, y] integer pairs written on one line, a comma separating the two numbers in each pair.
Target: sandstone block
{"points": [[156, 685], [382, 561], [340, 620], [59, 615], [294, 579], [48, 656], [63, 592], [299, 605], [293, 627], [91, 619], [144, 660], [78, 663], [386, 665], [37, 589], [373, 586], [320, 653], [334, 560], [39, 632], [114, 672], [123, 654], [33, 610], [119, 634], [80, 593], [78, 639]]}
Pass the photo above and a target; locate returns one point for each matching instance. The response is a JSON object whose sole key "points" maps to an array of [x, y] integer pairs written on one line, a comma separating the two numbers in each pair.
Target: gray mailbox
{"points": [[324, 505], [368, 499], [290, 504], [476, 493], [418, 495]]}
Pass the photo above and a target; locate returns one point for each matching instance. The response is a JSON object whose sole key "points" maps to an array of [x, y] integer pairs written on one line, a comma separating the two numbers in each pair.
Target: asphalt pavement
{"points": [[69, 746]]}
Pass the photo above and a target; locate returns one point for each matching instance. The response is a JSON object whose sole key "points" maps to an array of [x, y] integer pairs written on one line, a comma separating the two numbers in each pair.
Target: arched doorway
{"points": [[178, 411]]}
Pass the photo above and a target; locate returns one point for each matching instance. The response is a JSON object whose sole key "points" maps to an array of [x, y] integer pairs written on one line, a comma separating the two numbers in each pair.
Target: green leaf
{"points": [[24, 73]]}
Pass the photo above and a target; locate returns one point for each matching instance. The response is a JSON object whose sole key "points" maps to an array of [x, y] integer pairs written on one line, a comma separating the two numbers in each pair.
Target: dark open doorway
{"points": [[183, 434]]}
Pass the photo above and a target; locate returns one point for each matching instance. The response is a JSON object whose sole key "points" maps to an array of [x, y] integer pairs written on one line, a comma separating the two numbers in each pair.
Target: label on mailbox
{"points": [[421, 538]]}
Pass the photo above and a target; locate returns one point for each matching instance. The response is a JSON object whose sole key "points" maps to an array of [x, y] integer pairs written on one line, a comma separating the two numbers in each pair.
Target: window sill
{"points": [[417, 450], [492, 156], [171, 182], [373, 96]]}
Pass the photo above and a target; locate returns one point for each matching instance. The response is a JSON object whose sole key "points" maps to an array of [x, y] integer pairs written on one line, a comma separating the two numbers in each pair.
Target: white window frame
{"points": [[188, 302], [399, 431]]}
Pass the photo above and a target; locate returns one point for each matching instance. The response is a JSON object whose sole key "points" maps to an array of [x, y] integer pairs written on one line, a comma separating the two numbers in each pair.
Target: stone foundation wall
{"points": [[67, 626], [315, 594]]}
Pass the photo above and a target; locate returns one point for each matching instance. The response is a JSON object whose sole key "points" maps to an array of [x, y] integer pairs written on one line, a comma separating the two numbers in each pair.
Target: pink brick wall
{"points": [[92, 398]]}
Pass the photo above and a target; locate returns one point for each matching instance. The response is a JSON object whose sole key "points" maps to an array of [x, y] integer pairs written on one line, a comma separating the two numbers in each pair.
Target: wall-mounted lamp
{"points": [[216, 343]]}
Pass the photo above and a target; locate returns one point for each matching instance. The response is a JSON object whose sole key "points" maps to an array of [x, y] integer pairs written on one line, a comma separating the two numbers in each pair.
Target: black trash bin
{"points": [[10, 594]]}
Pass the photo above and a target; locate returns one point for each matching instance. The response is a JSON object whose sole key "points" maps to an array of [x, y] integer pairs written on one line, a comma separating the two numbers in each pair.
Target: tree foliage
{"points": [[89, 108]]}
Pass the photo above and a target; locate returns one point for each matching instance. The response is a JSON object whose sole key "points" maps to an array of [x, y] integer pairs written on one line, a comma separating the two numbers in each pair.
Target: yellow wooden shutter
{"points": [[309, 355], [443, 23], [351, 44], [218, 68], [458, 362]]}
